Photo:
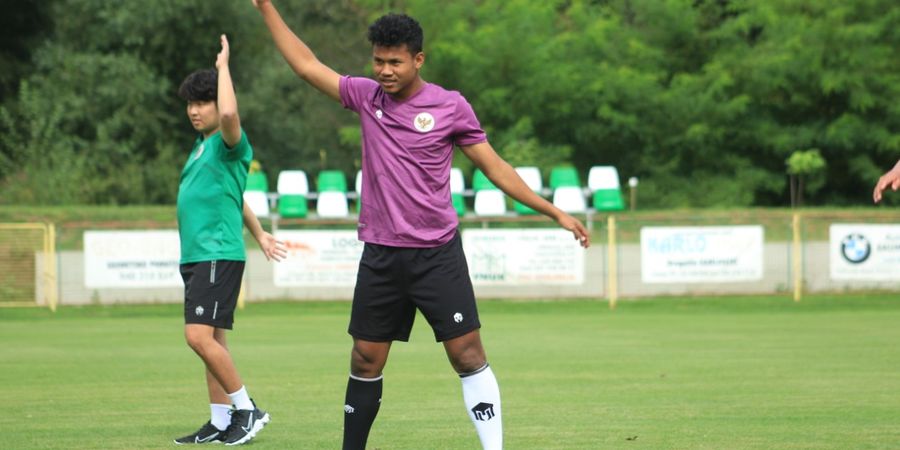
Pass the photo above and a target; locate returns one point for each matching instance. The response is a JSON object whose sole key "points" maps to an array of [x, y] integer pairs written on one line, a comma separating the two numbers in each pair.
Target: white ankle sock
{"points": [[482, 397], [220, 415], [241, 399]]}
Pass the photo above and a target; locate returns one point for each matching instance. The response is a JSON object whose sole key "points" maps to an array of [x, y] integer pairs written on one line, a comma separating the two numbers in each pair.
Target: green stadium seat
{"points": [[292, 187], [603, 181], [481, 182], [257, 181], [608, 200], [564, 176], [292, 205], [532, 177], [459, 204], [331, 181]]}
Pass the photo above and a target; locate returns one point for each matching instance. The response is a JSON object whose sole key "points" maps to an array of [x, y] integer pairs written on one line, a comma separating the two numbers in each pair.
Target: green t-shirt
{"points": [[210, 200]]}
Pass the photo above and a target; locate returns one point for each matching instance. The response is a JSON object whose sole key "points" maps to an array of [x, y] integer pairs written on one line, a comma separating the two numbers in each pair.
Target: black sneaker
{"points": [[207, 434], [245, 424]]}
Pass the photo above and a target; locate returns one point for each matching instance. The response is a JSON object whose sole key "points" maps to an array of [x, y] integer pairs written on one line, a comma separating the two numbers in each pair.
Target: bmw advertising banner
{"points": [[865, 252]]}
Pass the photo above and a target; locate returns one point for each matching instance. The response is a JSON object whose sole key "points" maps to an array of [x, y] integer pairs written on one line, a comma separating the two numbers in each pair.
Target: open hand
{"points": [[272, 248], [572, 224], [222, 57], [888, 180]]}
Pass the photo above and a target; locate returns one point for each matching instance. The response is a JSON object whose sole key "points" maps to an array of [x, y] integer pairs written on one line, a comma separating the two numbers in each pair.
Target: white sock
{"points": [[482, 397], [241, 399], [220, 415]]}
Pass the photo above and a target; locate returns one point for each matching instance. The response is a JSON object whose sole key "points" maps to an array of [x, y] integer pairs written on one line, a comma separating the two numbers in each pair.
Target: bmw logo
{"points": [[855, 248]]}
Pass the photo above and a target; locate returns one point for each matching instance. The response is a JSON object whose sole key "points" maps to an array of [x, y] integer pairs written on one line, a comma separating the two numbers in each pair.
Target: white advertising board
{"points": [[701, 254], [522, 257], [864, 252], [318, 258], [131, 259]]}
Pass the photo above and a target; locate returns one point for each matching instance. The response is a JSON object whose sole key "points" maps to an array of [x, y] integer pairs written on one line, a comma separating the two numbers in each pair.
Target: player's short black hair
{"points": [[394, 30], [200, 86]]}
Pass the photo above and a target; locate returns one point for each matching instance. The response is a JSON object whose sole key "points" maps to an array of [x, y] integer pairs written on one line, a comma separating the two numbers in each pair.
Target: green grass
{"points": [[712, 373]]}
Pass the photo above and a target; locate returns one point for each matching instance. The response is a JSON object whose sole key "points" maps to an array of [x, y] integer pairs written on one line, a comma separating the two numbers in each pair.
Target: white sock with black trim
{"points": [[220, 415], [482, 397], [241, 399]]}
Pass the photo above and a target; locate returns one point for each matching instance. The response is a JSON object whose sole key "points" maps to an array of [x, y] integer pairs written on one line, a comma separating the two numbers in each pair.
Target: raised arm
{"points": [[297, 54], [229, 121], [505, 177], [271, 247]]}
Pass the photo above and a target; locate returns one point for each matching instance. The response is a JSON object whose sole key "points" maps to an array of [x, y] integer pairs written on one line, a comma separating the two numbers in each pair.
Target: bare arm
{"points": [[505, 177], [272, 248], [297, 54], [229, 121], [891, 179]]}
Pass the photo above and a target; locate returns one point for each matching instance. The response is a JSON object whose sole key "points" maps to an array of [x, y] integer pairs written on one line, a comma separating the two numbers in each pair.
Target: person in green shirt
{"points": [[210, 215]]}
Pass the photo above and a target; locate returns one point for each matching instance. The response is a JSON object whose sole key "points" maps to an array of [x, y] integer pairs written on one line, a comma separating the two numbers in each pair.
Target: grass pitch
{"points": [[712, 373]]}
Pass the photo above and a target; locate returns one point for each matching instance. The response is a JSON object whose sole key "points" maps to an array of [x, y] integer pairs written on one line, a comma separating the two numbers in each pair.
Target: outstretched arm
{"points": [[505, 177], [890, 179], [229, 121], [297, 54], [272, 248]]}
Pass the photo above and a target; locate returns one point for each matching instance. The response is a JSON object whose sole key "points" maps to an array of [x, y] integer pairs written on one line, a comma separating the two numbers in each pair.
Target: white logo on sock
{"points": [[457, 317], [348, 409], [199, 311]]}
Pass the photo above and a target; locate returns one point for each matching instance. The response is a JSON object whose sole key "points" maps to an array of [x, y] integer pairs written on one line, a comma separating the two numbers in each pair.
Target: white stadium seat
{"points": [[332, 205], [532, 177], [490, 202], [569, 199], [457, 183], [293, 182], [258, 202], [603, 177]]}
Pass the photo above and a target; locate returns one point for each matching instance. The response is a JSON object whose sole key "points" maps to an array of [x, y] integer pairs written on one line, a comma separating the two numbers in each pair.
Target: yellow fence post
{"points": [[242, 296], [797, 258], [612, 275], [50, 267]]}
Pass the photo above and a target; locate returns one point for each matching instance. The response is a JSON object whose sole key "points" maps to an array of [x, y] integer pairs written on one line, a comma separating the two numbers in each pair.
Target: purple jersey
{"points": [[407, 150]]}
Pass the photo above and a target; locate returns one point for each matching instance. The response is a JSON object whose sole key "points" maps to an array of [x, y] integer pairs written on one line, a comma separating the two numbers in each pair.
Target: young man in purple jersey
{"points": [[413, 256]]}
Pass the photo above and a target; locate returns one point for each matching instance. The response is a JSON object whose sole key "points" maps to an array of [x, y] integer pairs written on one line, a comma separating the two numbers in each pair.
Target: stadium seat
{"points": [[257, 181], [457, 189], [490, 202], [292, 188], [603, 182], [564, 176], [357, 187], [331, 181], [569, 199], [332, 205], [258, 202], [532, 177], [457, 182], [481, 182]]}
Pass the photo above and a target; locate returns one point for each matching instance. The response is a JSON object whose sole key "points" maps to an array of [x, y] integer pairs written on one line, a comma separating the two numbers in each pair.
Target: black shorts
{"points": [[393, 281], [211, 290]]}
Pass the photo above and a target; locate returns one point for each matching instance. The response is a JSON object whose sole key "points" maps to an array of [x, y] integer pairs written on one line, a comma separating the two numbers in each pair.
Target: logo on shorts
{"points": [[457, 317], [483, 411], [199, 311], [350, 410], [378, 113], [424, 122]]}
